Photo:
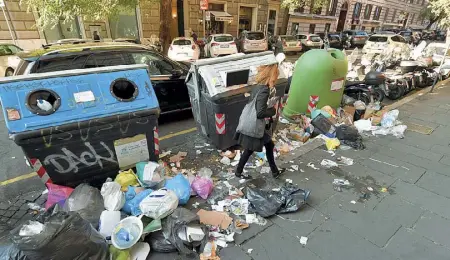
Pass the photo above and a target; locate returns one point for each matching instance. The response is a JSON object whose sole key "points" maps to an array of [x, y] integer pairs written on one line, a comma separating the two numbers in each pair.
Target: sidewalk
{"points": [[399, 188]]}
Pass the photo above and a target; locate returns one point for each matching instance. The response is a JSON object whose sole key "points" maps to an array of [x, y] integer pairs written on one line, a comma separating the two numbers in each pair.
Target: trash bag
{"points": [[180, 185], [113, 197], [220, 192], [159, 243], [57, 194], [126, 178], [149, 174], [389, 118], [323, 126], [66, 235], [132, 191], [132, 206], [159, 204], [203, 186], [344, 132], [269, 201], [87, 201], [176, 223]]}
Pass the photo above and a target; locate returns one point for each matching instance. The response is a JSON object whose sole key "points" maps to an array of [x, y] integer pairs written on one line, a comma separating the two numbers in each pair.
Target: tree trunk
{"points": [[165, 14]]}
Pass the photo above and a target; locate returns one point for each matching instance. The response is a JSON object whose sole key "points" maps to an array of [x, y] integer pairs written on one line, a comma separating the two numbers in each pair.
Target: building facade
{"points": [[365, 15]]}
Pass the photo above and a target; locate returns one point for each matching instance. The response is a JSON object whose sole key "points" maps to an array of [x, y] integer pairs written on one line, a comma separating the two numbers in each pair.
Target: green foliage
{"points": [[441, 9], [297, 3]]}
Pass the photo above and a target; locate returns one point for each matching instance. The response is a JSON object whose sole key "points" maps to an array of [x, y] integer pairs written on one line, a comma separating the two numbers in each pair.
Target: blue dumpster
{"points": [[82, 125]]}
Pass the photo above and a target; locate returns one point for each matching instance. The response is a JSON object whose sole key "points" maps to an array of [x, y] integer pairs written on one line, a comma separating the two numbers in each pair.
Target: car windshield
{"points": [[361, 33], [315, 38], [9, 50], [182, 42], [255, 36], [288, 38], [405, 33], [223, 38], [378, 39]]}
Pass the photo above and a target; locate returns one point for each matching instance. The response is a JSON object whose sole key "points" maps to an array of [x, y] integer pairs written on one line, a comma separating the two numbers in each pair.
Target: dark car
{"points": [[334, 40], [357, 38], [407, 35], [167, 76]]}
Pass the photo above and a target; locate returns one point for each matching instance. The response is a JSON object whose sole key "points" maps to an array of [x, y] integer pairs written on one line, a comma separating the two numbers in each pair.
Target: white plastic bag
{"points": [[399, 131], [363, 125], [159, 204], [389, 118], [113, 197]]}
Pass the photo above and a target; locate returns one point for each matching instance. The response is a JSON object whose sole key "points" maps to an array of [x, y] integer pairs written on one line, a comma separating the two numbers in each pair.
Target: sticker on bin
{"points": [[85, 96], [132, 150], [337, 84]]}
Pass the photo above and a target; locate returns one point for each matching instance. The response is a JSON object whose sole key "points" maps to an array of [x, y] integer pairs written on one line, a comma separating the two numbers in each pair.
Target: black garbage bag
{"points": [[65, 236], [159, 243], [87, 201], [176, 223], [269, 201], [349, 136]]}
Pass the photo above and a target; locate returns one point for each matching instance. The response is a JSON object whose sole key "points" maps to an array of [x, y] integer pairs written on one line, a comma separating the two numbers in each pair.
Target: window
{"points": [[124, 25], [63, 30], [331, 10], [356, 14], [106, 59], [386, 14], [376, 14], [294, 28], [255, 36], [412, 19], [9, 50], [372, 29], [157, 64], [182, 42], [223, 38], [300, 9], [398, 38], [327, 27], [363, 28], [394, 16], [367, 11], [71, 62], [312, 28], [378, 39]]}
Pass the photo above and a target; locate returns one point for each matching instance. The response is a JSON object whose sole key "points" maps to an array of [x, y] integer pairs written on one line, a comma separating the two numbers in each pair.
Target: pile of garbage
{"points": [[145, 209]]}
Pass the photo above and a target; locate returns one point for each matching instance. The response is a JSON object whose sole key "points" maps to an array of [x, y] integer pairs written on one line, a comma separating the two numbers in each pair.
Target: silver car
{"points": [[252, 42]]}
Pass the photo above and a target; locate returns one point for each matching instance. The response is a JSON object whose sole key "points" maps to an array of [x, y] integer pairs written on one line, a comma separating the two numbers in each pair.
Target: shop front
{"points": [[216, 21]]}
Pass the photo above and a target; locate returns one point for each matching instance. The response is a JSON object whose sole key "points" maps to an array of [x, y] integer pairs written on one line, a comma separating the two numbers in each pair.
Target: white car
{"points": [[183, 49], [8, 59], [377, 43], [220, 45]]}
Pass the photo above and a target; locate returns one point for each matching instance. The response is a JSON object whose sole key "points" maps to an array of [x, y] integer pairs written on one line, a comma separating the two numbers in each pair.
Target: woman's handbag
{"points": [[249, 124]]}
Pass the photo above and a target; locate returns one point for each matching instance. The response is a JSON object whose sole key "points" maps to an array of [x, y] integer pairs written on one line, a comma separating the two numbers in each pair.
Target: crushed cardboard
{"points": [[214, 218]]}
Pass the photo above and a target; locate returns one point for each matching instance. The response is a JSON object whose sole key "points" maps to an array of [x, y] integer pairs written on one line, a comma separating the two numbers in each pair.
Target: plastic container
{"points": [[127, 233], [318, 80], [108, 220]]}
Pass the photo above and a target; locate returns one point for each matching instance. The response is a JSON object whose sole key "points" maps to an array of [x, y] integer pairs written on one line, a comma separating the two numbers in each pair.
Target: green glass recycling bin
{"points": [[318, 80]]}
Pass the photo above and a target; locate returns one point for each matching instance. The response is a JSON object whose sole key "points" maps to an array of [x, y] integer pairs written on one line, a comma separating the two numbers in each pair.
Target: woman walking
{"points": [[264, 98]]}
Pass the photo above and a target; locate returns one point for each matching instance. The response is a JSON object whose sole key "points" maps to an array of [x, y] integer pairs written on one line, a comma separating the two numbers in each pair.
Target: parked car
{"points": [[436, 50], [252, 42], [441, 35], [310, 41], [357, 38], [290, 43], [167, 76], [220, 45], [379, 42], [184, 49], [8, 59], [334, 39], [407, 35]]}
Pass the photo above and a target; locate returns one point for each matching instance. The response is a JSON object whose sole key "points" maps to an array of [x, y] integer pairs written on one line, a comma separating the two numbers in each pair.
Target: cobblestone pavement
{"points": [[397, 206]]}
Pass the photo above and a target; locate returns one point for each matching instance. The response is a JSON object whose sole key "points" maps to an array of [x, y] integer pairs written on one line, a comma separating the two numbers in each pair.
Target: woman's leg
{"points": [[244, 159], [270, 157]]}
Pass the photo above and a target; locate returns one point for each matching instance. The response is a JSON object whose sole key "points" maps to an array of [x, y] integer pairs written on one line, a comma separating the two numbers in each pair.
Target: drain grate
{"points": [[421, 129]]}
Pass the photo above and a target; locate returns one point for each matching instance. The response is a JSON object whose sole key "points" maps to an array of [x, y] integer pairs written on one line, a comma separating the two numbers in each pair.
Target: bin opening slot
{"points": [[124, 90], [43, 101], [236, 77]]}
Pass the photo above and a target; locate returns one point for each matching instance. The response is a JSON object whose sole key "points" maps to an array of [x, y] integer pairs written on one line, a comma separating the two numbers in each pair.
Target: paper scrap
{"points": [[294, 167], [383, 190], [369, 188], [131, 150], [198, 152], [214, 218], [249, 251], [311, 165], [303, 240], [353, 202], [84, 96]]}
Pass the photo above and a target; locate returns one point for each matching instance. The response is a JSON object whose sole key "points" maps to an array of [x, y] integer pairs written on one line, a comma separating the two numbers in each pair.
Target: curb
{"points": [[417, 94]]}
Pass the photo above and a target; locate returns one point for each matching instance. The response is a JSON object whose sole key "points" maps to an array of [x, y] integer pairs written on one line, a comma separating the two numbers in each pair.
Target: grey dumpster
{"points": [[217, 90]]}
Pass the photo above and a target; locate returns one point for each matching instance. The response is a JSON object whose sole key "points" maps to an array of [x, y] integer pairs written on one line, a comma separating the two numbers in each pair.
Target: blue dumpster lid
{"points": [[214, 71], [38, 101]]}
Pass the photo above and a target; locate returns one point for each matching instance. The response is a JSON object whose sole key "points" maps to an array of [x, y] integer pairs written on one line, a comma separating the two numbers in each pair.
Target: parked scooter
{"points": [[372, 89]]}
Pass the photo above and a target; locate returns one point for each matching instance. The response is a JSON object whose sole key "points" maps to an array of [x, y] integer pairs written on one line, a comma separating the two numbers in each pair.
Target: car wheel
{"points": [[9, 72]]}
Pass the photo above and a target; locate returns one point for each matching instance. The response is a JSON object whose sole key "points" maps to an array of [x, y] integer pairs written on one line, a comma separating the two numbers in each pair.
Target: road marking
{"points": [[18, 178], [32, 174], [187, 131]]}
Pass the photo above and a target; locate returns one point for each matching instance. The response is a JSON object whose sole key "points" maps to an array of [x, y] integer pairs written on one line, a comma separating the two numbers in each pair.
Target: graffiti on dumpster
{"points": [[93, 128], [45, 84], [68, 161]]}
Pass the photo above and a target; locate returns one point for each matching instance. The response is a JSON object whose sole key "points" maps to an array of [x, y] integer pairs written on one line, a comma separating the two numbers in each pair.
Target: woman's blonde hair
{"points": [[267, 75]]}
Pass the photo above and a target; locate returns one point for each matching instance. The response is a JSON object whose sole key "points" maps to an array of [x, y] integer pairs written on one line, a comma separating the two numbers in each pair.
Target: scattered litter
{"points": [[332, 143], [255, 219], [164, 154], [345, 160], [178, 157], [383, 189], [369, 188], [344, 147], [301, 170], [250, 250], [303, 240], [239, 207], [307, 179], [311, 165], [341, 182], [35, 206], [328, 163], [31, 229], [332, 153], [289, 181], [195, 205], [198, 152], [214, 218], [13, 157], [242, 181], [265, 170], [353, 202], [234, 163], [283, 121], [225, 160], [294, 167], [44, 192]]}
